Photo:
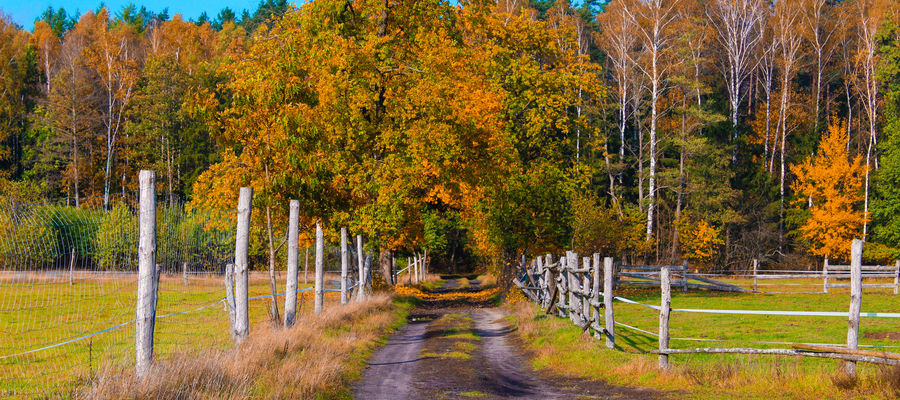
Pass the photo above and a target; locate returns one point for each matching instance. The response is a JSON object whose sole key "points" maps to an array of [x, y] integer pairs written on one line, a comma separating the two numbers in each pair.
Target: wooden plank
{"points": [[864, 285], [715, 282], [862, 267], [651, 267], [827, 349]]}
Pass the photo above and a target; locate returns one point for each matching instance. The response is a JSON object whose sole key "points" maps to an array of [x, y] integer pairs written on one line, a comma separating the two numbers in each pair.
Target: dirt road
{"points": [[454, 347]]}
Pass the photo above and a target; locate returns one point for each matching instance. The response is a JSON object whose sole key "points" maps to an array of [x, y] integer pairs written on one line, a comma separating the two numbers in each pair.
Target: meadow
{"points": [[191, 319], [559, 346]]}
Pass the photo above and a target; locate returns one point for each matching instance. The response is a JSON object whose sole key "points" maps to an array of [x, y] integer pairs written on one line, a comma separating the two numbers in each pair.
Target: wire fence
{"points": [[68, 278]]}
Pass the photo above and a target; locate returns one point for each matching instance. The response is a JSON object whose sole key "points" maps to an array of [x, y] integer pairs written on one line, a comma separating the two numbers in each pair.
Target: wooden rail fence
{"points": [[570, 288]]}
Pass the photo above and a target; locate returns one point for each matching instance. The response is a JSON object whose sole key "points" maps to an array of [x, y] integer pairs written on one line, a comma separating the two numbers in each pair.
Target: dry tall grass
{"points": [[317, 358]]}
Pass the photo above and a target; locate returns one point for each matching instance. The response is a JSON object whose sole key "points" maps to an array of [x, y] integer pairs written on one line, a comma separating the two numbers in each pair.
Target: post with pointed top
{"points": [[665, 306], [241, 268], [608, 302], [293, 264], [320, 270], [361, 285], [856, 250], [145, 319], [345, 266]]}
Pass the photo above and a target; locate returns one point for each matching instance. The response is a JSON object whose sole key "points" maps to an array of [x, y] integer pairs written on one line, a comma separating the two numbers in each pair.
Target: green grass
{"points": [[40, 314], [473, 394], [561, 346]]}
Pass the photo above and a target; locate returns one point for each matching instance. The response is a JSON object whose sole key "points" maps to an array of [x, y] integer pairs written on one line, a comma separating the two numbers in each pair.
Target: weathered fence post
{"points": [[293, 253], [345, 266], [684, 273], [856, 250], [145, 319], [320, 270], [415, 267], [72, 269], [665, 306], [572, 280], [241, 268], [755, 267], [585, 287], [825, 275], [229, 295], [361, 285], [897, 278], [608, 302], [184, 278], [424, 263], [595, 293]]}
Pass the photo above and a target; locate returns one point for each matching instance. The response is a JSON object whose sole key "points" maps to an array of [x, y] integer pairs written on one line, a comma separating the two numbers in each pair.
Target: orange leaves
{"points": [[833, 183]]}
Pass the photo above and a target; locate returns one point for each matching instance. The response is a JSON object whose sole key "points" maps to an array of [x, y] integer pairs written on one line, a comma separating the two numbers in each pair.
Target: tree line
{"points": [[661, 130]]}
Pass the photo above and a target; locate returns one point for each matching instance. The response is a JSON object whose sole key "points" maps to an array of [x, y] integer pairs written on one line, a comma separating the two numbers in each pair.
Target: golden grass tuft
{"points": [[317, 357]]}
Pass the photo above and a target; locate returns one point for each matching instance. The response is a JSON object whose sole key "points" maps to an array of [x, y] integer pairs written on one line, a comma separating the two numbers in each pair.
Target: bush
{"points": [[27, 241], [117, 239]]}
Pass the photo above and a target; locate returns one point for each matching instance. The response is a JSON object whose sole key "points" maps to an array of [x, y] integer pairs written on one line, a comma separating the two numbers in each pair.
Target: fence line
{"points": [[69, 278], [567, 290]]}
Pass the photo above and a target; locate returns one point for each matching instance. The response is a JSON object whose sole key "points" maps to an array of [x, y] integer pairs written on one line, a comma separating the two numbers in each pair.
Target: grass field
{"points": [[559, 346], [41, 313]]}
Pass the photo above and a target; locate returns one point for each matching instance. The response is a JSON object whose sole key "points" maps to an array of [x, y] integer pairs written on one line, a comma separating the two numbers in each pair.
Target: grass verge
{"points": [[317, 358]]}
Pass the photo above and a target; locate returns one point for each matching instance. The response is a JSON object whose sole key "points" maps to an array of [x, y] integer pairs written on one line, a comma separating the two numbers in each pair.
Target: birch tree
{"points": [[653, 20], [737, 28]]}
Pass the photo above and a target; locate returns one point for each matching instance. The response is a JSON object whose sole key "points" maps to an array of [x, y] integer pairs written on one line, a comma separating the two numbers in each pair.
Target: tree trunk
{"points": [[276, 316], [385, 261]]}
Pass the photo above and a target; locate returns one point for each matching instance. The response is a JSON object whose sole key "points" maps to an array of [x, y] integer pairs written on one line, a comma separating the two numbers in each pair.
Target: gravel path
{"points": [[495, 369]]}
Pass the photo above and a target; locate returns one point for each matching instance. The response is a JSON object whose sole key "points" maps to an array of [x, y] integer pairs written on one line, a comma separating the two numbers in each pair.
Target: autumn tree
{"points": [[834, 181]]}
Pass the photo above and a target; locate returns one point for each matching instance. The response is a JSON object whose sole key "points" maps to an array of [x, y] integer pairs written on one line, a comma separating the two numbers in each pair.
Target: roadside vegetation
{"points": [[317, 358]]}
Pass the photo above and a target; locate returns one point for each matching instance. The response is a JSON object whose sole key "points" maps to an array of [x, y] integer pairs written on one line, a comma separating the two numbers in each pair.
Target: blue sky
{"points": [[23, 12]]}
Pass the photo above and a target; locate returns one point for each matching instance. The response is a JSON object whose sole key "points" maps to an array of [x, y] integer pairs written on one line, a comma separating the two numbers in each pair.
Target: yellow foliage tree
{"points": [[700, 241], [830, 184]]}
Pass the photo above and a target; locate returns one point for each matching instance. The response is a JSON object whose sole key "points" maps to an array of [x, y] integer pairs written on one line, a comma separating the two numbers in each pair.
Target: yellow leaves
{"points": [[833, 183], [700, 241]]}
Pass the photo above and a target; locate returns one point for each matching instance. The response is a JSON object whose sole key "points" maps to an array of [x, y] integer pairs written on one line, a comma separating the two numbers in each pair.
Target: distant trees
{"points": [[515, 125]]}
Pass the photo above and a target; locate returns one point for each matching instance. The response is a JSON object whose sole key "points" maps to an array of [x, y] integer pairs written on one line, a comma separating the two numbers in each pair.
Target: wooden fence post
{"points": [[684, 286], [345, 266], [229, 295], [361, 285], [856, 250], [572, 281], [608, 302], [72, 268], [320, 270], [665, 306], [145, 312], [293, 264], [595, 292], [184, 279], [550, 281], [585, 288], [897, 278], [241, 271], [825, 275], [755, 268]]}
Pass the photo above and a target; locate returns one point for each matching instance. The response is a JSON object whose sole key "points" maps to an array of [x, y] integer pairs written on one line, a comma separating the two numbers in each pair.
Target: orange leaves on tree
{"points": [[833, 182]]}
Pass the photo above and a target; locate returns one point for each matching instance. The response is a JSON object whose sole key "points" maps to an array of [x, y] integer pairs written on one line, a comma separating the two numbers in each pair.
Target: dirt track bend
{"points": [[418, 361]]}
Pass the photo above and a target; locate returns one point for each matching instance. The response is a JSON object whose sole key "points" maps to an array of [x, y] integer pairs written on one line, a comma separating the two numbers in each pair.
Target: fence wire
{"points": [[68, 279]]}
